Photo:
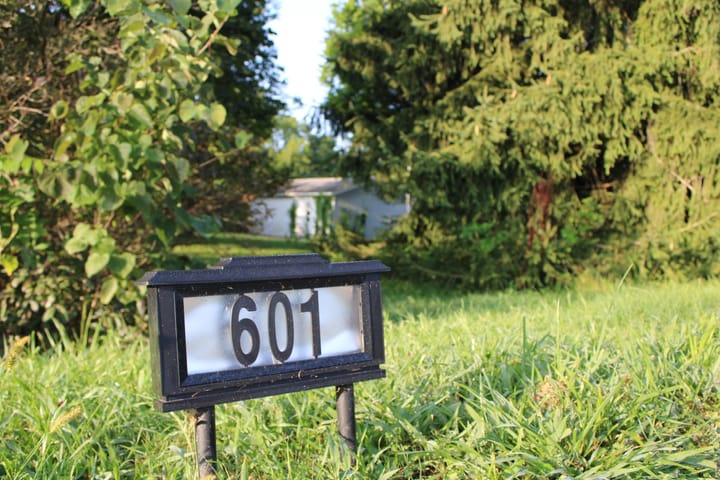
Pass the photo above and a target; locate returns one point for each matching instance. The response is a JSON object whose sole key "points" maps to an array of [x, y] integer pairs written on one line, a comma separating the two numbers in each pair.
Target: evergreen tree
{"points": [[300, 153], [537, 139]]}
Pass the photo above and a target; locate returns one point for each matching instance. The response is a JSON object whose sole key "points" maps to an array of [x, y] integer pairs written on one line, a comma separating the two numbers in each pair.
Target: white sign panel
{"points": [[256, 329]]}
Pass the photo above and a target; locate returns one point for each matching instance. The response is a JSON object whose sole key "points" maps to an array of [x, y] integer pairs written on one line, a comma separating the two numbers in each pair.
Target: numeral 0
{"points": [[238, 326], [282, 299]]}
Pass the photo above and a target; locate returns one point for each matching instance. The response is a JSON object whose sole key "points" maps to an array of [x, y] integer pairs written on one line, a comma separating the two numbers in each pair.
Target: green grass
{"points": [[221, 245], [616, 383]]}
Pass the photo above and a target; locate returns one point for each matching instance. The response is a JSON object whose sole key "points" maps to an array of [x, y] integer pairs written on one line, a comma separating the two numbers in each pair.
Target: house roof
{"points": [[301, 187]]}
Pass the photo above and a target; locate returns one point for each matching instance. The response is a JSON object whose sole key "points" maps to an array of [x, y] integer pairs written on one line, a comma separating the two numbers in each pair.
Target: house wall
{"points": [[273, 217], [380, 215]]}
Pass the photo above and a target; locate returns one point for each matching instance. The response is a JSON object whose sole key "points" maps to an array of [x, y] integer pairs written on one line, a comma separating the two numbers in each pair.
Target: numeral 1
{"points": [[312, 306]]}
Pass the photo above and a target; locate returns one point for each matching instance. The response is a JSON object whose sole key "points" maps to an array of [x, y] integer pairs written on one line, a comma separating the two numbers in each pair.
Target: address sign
{"points": [[258, 326]]}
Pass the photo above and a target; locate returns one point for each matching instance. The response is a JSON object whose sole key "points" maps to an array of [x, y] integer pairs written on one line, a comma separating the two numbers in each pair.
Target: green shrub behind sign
{"points": [[78, 218]]}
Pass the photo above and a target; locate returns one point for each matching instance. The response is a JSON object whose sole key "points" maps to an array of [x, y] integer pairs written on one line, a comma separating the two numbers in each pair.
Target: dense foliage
{"points": [[539, 140], [301, 152], [106, 107], [232, 164]]}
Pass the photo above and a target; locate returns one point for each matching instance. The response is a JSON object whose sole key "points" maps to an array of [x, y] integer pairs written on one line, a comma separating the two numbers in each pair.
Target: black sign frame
{"points": [[176, 390]]}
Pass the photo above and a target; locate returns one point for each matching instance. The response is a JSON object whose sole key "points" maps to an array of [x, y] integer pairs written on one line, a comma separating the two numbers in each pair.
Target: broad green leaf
{"points": [[181, 167], [109, 199], [15, 149], [9, 263], [84, 194], [27, 163], [205, 225], [241, 139], [179, 77], [132, 28], [75, 63], [154, 156], [76, 7], [86, 231], [55, 184], [122, 264], [83, 236], [108, 290], [169, 137], [165, 231], [116, 6], [125, 150], [173, 39], [158, 52], [83, 230], [103, 79], [145, 140], [122, 101], [159, 15], [188, 110], [230, 44], [143, 204], [227, 6], [139, 113], [85, 103], [75, 245], [217, 115], [121, 153], [181, 6], [95, 263], [89, 126], [39, 165], [105, 244]]}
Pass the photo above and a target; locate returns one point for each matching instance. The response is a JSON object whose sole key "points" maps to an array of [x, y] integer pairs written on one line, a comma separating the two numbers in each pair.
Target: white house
{"points": [[304, 199]]}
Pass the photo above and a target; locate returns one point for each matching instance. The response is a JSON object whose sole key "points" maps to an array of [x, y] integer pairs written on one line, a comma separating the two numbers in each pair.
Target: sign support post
{"points": [[205, 442], [345, 404], [205, 437]]}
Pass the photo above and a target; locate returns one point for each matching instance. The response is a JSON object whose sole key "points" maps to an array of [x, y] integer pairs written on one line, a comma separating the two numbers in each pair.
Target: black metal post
{"points": [[205, 441], [345, 404]]}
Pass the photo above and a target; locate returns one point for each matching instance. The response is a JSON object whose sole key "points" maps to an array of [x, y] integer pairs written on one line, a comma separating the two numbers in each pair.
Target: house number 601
{"points": [[239, 326]]}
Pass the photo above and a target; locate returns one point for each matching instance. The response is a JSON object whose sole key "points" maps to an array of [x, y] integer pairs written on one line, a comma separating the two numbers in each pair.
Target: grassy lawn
{"points": [[222, 245], [621, 382]]}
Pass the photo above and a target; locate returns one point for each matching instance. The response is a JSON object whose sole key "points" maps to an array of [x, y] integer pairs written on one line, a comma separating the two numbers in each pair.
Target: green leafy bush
{"points": [[80, 217]]}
